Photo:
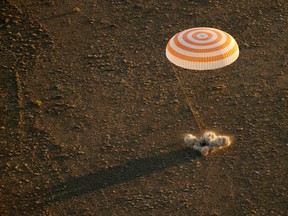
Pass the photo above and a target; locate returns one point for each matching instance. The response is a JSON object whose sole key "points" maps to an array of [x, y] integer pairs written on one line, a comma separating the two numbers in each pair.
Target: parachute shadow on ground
{"points": [[107, 177]]}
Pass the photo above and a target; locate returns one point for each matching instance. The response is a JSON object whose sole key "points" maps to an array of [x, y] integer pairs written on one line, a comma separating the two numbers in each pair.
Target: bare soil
{"points": [[93, 114]]}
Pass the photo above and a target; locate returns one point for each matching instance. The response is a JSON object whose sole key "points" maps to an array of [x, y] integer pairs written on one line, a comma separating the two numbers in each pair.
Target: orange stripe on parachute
{"points": [[224, 45], [202, 59], [194, 35], [185, 37]]}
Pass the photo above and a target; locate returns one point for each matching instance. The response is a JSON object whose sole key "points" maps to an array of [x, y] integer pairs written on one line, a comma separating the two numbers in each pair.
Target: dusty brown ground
{"points": [[92, 115]]}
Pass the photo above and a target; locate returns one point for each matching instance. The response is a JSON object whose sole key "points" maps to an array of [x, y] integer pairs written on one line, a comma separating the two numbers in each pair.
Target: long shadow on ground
{"points": [[111, 176]]}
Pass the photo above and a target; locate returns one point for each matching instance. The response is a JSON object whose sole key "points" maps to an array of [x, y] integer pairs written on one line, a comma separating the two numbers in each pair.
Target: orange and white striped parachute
{"points": [[202, 49]]}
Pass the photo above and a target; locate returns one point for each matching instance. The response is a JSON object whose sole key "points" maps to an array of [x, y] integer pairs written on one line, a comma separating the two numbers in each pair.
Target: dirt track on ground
{"points": [[93, 116]]}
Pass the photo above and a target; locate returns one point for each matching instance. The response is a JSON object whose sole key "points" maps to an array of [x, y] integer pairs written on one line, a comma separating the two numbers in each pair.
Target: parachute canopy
{"points": [[202, 49]]}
